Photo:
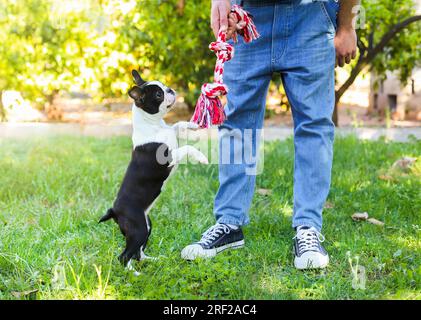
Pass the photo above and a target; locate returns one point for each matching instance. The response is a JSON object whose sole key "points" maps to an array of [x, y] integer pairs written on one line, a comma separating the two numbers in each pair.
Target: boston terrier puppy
{"points": [[154, 157]]}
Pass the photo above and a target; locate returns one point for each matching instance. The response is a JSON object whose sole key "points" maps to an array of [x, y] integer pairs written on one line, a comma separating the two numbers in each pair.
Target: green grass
{"points": [[53, 191]]}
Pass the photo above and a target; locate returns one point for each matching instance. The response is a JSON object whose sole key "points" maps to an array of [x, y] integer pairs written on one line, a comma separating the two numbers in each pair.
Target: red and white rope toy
{"points": [[209, 110]]}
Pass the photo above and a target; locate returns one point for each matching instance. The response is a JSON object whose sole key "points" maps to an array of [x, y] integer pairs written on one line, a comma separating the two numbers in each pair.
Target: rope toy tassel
{"points": [[249, 31], [209, 110]]}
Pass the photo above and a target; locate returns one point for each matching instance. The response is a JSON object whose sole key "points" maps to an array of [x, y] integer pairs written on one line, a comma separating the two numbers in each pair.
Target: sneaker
{"points": [[309, 253], [215, 240]]}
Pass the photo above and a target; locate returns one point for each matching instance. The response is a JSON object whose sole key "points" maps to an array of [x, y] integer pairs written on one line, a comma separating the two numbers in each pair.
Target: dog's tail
{"points": [[110, 214]]}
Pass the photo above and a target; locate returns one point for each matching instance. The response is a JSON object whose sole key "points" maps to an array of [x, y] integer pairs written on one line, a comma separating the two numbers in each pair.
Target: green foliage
{"points": [[50, 46], [53, 191], [176, 40], [41, 55], [403, 52]]}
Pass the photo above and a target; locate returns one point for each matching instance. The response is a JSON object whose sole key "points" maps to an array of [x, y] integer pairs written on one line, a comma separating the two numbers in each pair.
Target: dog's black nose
{"points": [[169, 90]]}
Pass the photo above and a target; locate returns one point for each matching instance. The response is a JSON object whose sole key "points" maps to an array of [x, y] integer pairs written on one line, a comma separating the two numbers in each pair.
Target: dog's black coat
{"points": [[144, 177], [141, 185]]}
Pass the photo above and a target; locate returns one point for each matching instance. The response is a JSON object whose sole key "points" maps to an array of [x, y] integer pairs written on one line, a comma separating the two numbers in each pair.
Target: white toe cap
{"points": [[195, 251]]}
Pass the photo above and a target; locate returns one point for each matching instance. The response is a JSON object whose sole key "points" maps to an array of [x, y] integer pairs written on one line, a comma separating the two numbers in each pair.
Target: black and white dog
{"points": [[154, 157]]}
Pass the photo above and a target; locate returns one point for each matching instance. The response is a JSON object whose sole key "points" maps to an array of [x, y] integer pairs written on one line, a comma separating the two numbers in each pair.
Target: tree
{"points": [[42, 52], [177, 34], [390, 41], [52, 46], [166, 40]]}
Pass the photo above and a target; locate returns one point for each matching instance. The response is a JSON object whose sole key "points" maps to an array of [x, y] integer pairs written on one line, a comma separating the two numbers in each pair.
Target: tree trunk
{"points": [[335, 117], [180, 7], [2, 111], [53, 111], [340, 92]]}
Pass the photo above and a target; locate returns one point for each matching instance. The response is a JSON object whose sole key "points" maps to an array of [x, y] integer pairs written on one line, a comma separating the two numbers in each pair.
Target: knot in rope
{"points": [[209, 110], [223, 50], [213, 90]]}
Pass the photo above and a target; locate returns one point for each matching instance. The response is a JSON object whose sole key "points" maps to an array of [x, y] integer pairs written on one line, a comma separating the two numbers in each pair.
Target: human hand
{"points": [[219, 16], [234, 26], [345, 45]]}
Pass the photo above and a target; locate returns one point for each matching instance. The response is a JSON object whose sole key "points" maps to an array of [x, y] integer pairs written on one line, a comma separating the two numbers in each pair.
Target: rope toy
{"points": [[209, 110]]}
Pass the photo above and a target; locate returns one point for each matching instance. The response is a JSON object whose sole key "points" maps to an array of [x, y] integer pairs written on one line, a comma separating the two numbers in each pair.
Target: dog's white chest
{"points": [[151, 128]]}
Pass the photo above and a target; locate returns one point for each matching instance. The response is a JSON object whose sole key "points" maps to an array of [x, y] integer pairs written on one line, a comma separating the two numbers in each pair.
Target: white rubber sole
{"points": [[195, 251], [311, 260]]}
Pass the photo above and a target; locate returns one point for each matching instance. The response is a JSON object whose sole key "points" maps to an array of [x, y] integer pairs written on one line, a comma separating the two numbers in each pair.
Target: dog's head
{"points": [[151, 96]]}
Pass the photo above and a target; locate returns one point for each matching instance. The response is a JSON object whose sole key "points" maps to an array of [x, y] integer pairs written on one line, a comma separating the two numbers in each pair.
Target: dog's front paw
{"points": [[173, 162], [201, 158], [192, 126], [183, 126]]}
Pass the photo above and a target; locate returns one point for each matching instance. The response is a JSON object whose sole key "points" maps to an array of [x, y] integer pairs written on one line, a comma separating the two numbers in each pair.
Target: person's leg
{"points": [[307, 68], [308, 76], [247, 75]]}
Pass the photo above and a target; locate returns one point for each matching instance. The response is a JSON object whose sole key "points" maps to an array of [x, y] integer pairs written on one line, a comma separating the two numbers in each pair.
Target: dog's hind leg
{"points": [[149, 232], [134, 244], [131, 268], [135, 239], [140, 256], [143, 256], [149, 227]]}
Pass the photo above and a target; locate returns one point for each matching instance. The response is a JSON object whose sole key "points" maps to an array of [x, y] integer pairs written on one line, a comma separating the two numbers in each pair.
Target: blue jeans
{"points": [[297, 40]]}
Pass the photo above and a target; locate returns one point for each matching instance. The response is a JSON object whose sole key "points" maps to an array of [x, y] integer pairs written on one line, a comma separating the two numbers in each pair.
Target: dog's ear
{"points": [[137, 78], [136, 94], [110, 214]]}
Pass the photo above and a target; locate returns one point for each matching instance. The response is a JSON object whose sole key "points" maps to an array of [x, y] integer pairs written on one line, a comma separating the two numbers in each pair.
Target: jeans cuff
{"points": [[235, 222], [306, 223]]}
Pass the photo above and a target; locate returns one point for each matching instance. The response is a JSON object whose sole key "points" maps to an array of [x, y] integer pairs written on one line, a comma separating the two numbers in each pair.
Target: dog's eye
{"points": [[159, 94]]}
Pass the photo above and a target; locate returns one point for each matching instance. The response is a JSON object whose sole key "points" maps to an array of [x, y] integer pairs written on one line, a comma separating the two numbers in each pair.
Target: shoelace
{"points": [[213, 232], [308, 240]]}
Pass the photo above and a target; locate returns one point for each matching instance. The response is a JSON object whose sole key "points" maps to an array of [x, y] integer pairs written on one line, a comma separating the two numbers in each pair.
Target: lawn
{"points": [[53, 191]]}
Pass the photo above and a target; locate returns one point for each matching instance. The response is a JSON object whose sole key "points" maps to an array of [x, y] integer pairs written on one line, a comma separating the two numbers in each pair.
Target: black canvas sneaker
{"points": [[309, 253], [215, 240]]}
